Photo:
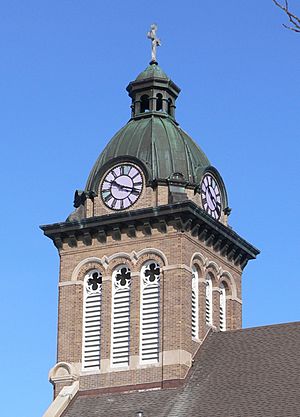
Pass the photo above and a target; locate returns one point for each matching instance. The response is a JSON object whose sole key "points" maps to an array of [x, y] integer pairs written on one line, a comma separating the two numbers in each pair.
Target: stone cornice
{"points": [[185, 216]]}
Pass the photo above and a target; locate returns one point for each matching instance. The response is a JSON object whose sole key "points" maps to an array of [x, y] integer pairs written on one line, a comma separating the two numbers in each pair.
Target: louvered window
{"points": [[150, 298], [121, 316], [195, 311], [92, 320], [208, 301], [222, 307]]}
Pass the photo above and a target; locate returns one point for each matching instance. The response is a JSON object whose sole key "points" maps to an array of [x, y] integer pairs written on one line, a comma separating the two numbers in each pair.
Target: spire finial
{"points": [[155, 42]]}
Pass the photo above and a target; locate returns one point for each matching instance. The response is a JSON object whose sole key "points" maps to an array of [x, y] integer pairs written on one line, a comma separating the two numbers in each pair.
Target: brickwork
{"points": [[70, 323], [149, 198], [176, 252], [133, 377], [196, 198]]}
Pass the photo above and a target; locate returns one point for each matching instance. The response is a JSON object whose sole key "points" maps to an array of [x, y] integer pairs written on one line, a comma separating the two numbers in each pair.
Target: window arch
{"points": [[195, 302], [145, 104], [222, 307], [150, 312], [121, 283], [159, 102], [92, 298], [208, 300]]}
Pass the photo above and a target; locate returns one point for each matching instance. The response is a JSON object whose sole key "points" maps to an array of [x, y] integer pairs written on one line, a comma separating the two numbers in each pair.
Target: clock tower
{"points": [[148, 263]]}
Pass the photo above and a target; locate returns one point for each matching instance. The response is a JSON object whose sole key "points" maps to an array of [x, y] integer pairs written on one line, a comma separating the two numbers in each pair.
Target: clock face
{"points": [[121, 186], [211, 196]]}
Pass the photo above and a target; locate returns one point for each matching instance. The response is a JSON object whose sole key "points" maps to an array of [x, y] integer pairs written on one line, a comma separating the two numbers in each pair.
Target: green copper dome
{"points": [[152, 71], [152, 137], [159, 144]]}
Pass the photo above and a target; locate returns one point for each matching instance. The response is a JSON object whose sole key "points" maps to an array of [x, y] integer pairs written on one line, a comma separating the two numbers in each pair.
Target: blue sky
{"points": [[64, 67]]}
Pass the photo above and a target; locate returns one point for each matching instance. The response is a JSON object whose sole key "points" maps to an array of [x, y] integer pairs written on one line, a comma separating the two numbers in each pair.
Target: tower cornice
{"points": [[184, 216]]}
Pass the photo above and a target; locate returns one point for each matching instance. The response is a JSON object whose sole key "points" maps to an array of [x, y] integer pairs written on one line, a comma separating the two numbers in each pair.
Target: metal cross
{"points": [[155, 42]]}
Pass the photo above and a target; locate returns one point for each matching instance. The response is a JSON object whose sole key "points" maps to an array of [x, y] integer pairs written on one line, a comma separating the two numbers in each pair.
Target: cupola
{"points": [[153, 92]]}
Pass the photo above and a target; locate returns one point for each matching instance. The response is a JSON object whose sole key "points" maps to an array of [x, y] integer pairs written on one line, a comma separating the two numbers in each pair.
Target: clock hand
{"points": [[125, 187], [116, 184], [211, 196], [120, 186], [135, 191], [131, 190]]}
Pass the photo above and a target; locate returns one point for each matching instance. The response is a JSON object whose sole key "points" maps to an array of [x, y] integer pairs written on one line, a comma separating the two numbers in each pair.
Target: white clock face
{"points": [[211, 196], [122, 186]]}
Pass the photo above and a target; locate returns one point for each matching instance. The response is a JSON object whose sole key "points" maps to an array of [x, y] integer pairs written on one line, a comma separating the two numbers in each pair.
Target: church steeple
{"points": [[148, 264]]}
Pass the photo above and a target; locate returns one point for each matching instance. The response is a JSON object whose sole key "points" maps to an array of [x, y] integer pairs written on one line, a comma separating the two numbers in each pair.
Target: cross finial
{"points": [[155, 42]]}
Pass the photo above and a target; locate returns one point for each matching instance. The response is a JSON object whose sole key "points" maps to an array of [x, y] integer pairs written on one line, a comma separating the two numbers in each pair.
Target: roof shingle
{"points": [[244, 373]]}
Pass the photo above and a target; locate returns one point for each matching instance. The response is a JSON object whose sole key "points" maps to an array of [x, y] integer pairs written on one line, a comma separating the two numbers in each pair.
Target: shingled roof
{"points": [[243, 373]]}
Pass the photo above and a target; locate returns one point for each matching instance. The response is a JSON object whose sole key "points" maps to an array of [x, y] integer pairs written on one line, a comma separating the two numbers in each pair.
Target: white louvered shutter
{"points": [[150, 299], [222, 308], [208, 301], [92, 320], [195, 304], [121, 316]]}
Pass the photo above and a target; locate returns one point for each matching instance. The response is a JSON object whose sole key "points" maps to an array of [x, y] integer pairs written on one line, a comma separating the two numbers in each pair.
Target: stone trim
{"points": [[164, 384], [229, 297], [66, 283], [171, 357], [221, 274], [178, 266], [63, 399], [75, 281], [63, 372], [121, 257]]}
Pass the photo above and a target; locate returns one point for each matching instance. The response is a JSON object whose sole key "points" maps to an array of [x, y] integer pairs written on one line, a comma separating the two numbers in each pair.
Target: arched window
{"points": [[222, 307], [208, 300], [92, 320], [144, 103], [159, 102], [195, 303], [121, 283], [149, 328]]}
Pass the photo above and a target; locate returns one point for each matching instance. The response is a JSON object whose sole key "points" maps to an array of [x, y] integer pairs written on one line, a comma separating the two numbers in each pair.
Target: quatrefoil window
{"points": [[123, 276], [152, 272], [94, 281]]}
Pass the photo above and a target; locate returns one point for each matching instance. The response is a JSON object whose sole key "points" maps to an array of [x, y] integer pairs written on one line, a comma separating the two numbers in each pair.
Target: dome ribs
{"points": [[161, 146]]}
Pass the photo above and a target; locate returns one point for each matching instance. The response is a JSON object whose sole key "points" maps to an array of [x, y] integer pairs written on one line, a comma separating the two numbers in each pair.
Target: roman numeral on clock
{"points": [[108, 197], [122, 186]]}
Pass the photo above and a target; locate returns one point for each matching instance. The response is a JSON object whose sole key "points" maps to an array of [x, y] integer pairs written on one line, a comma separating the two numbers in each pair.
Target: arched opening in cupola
{"points": [[145, 103], [159, 102]]}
